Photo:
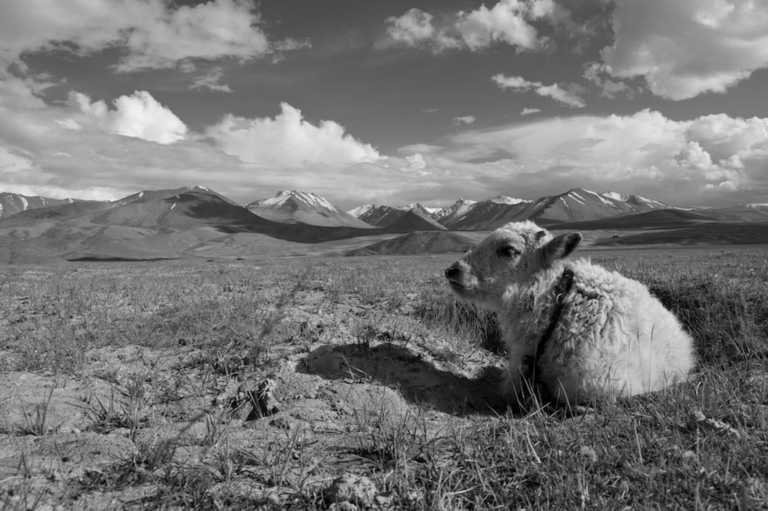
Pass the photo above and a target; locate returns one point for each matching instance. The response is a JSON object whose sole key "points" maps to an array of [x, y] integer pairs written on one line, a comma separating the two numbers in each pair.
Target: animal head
{"points": [[513, 254]]}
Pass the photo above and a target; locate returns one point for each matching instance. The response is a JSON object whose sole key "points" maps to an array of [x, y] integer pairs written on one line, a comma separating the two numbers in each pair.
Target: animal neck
{"points": [[556, 301]]}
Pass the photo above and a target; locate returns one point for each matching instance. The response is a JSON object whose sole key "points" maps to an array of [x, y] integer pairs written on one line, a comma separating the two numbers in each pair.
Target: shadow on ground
{"points": [[419, 381]]}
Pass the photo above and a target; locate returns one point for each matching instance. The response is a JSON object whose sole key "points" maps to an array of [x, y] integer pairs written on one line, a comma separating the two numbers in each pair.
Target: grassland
{"points": [[247, 384]]}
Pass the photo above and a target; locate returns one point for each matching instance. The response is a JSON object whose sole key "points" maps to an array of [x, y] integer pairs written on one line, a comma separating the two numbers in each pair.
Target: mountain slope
{"points": [[579, 204], [487, 214], [434, 242], [400, 220], [656, 219], [152, 224], [700, 234], [306, 208], [13, 203]]}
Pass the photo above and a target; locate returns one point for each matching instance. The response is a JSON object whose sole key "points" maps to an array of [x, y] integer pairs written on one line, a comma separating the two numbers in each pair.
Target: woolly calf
{"points": [[582, 332]]}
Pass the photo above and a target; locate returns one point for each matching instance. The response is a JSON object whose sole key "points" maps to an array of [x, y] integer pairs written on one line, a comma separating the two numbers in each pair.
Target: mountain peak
{"points": [[309, 199], [505, 199]]}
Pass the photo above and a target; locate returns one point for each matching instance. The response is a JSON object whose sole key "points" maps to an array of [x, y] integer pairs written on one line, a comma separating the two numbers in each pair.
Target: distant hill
{"points": [[456, 210], [152, 224], [432, 242], [579, 205], [306, 208], [486, 215], [575, 205], [705, 233], [399, 220], [13, 203], [656, 219]]}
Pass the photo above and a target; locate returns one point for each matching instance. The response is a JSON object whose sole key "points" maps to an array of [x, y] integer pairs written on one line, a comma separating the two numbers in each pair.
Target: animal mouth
{"points": [[456, 286]]}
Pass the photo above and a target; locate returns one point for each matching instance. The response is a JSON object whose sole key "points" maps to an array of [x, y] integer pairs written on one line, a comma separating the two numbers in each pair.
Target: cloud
{"points": [[211, 81], [598, 74], [688, 47], [554, 91], [76, 149], [138, 116], [676, 161], [507, 22], [529, 111], [464, 120], [412, 28], [287, 140], [153, 33]]}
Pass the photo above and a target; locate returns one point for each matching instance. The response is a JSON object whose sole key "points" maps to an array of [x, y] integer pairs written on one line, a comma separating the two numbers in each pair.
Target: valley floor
{"points": [[235, 384]]}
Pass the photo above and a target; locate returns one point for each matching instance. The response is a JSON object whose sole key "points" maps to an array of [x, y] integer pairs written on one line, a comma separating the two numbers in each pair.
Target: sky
{"points": [[386, 102]]}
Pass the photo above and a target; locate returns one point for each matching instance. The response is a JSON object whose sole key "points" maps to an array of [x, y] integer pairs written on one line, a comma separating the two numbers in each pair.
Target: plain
{"points": [[228, 383]]}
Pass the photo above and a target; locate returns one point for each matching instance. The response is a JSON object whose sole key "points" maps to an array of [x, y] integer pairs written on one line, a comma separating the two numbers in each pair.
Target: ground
{"points": [[357, 383]]}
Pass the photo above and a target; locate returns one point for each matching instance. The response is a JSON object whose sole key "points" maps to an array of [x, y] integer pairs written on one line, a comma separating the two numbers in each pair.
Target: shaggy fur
{"points": [[612, 338]]}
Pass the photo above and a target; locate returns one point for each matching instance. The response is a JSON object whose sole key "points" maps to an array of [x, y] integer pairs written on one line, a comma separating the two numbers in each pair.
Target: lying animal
{"points": [[582, 332]]}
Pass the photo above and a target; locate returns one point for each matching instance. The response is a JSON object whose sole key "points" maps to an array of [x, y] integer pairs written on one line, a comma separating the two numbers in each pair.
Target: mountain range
{"points": [[157, 224]]}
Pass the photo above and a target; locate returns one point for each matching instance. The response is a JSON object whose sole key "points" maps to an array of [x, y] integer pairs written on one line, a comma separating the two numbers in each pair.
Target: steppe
{"points": [[272, 382]]}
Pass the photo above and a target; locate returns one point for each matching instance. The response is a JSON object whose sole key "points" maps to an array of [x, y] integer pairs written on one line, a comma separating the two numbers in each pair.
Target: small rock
{"points": [[689, 457], [588, 454], [249, 403], [352, 489]]}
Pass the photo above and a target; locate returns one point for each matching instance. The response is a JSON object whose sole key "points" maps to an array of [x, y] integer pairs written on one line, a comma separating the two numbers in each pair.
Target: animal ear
{"points": [[560, 247]]}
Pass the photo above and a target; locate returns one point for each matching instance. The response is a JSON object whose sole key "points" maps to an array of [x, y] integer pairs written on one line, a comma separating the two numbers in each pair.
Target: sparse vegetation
{"points": [[379, 373]]}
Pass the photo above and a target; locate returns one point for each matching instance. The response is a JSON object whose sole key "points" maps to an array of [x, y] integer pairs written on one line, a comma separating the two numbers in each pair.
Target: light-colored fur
{"points": [[612, 339]]}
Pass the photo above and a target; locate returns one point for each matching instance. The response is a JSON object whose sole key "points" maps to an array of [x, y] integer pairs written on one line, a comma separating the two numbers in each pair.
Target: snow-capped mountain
{"points": [[361, 210], [580, 204], [12, 203], [304, 207], [400, 219], [485, 214], [458, 208]]}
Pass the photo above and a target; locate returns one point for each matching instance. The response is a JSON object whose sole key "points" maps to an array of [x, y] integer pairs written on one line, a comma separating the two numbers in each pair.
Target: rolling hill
{"points": [[152, 224], [13, 203], [431, 242], [656, 219], [700, 234]]}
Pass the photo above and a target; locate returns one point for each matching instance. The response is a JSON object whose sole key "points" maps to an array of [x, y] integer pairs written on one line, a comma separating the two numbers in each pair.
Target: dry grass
{"points": [[696, 446]]}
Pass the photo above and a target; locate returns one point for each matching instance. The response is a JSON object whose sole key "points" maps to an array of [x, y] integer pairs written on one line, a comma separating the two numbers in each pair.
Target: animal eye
{"points": [[507, 251]]}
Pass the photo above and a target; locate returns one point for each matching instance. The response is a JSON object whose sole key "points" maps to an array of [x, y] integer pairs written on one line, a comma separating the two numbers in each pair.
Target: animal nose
{"points": [[452, 271]]}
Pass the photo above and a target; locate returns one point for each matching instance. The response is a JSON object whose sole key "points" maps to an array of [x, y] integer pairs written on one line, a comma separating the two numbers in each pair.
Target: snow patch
{"points": [[601, 198], [141, 194], [173, 206], [615, 196], [510, 201], [310, 199], [24, 203], [361, 210], [575, 196]]}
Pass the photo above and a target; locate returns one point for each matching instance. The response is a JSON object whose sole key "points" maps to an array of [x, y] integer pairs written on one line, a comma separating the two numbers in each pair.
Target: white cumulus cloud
{"points": [[507, 22], [154, 33], [688, 47], [287, 140], [138, 115], [641, 153], [554, 91]]}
